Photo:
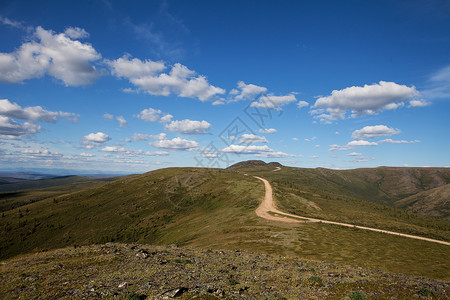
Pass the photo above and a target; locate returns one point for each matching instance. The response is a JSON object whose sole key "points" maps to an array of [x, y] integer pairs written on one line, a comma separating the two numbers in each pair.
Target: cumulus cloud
{"points": [[369, 132], [93, 140], [391, 141], [360, 159], [247, 91], [366, 100], [84, 154], [156, 153], [58, 55], [188, 127], [273, 102], [108, 116], [76, 33], [351, 145], [275, 154], [146, 137], [259, 151], [42, 154], [268, 130], [154, 78], [122, 121], [354, 154], [311, 139], [418, 103], [12, 129], [32, 113], [176, 144], [154, 115], [302, 104], [252, 139], [242, 149]]}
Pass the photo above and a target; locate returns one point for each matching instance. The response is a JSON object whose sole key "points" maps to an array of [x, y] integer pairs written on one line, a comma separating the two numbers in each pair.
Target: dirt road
{"points": [[267, 210]]}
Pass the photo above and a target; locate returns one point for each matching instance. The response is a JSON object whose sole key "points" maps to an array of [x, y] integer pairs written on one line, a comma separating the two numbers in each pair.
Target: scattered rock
{"points": [[142, 254], [173, 293]]}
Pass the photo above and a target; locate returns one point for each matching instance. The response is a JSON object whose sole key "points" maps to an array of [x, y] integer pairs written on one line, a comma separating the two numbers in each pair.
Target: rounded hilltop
{"points": [[253, 163]]}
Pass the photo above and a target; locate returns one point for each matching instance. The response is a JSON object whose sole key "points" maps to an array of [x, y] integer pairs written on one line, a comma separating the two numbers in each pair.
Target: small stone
{"points": [[142, 255]]}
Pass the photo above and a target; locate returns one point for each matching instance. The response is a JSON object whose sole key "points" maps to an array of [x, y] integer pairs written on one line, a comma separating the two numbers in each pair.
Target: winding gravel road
{"points": [[268, 211]]}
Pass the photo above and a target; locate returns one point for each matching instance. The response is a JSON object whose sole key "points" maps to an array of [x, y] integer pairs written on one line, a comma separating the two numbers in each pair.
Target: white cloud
{"points": [[418, 103], [76, 33], [108, 116], [122, 151], [314, 156], [176, 144], [157, 153], [361, 159], [366, 100], [146, 137], [302, 104], [218, 102], [154, 115], [268, 130], [252, 139], [122, 121], [12, 130], [247, 91], [275, 155], [391, 141], [148, 76], [351, 145], [188, 127], [242, 149], [362, 143], [438, 85], [57, 55], [83, 154], [354, 154], [112, 149], [369, 132], [33, 113], [42, 154], [311, 139], [259, 151], [11, 23], [273, 102], [94, 139], [295, 139]]}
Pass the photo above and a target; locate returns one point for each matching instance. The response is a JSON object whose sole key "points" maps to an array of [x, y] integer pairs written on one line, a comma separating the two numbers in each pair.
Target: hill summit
{"points": [[253, 163]]}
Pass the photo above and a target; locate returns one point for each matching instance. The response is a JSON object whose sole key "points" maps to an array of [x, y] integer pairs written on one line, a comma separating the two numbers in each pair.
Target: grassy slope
{"points": [[51, 182], [19, 194], [434, 202], [215, 209]]}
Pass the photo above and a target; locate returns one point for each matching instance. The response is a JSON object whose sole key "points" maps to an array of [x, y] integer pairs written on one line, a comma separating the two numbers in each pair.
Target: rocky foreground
{"points": [[123, 271]]}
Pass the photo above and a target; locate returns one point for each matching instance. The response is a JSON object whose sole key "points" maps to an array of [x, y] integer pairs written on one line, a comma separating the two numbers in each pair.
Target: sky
{"points": [[129, 87]]}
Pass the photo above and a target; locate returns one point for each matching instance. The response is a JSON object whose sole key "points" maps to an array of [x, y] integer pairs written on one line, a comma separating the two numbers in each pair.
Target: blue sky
{"points": [[115, 86]]}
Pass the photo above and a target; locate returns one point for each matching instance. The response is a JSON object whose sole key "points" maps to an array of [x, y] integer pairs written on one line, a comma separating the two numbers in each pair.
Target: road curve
{"points": [[268, 211]]}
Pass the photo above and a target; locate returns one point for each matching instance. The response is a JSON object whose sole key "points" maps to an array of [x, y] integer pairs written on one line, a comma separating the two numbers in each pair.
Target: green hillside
{"points": [[214, 208], [51, 182], [18, 194], [434, 202]]}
